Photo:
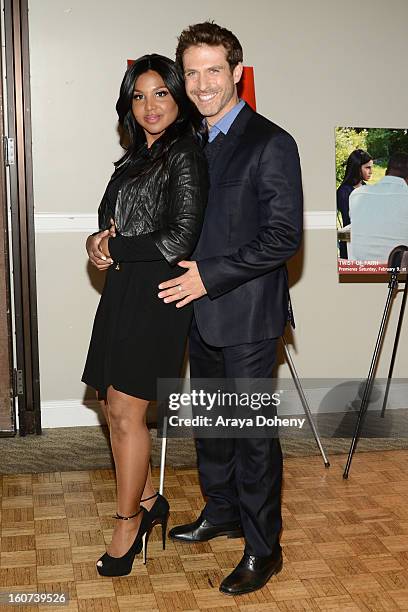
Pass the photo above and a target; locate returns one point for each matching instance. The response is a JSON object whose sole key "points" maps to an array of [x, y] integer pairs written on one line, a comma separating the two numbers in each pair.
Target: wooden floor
{"points": [[345, 542]]}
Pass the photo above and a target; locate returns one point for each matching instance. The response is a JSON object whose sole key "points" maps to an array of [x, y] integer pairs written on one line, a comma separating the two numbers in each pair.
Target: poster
{"points": [[371, 197]]}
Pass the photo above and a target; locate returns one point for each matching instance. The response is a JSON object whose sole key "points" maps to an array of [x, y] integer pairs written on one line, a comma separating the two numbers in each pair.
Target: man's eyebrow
{"points": [[219, 66]]}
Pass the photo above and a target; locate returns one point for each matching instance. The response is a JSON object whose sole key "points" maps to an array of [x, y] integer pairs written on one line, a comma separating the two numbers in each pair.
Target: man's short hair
{"points": [[209, 33], [398, 165]]}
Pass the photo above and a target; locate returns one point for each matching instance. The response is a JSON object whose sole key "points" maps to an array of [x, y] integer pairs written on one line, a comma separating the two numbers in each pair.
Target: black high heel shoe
{"points": [[158, 515], [121, 566]]}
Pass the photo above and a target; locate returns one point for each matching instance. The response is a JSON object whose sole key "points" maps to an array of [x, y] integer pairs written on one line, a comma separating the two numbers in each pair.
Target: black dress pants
{"points": [[241, 477]]}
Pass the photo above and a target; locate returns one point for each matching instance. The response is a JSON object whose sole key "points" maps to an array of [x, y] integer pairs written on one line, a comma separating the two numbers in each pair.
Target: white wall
{"points": [[318, 64]]}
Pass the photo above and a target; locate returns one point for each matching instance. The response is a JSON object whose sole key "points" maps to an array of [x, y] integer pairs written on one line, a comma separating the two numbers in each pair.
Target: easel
{"points": [[398, 264]]}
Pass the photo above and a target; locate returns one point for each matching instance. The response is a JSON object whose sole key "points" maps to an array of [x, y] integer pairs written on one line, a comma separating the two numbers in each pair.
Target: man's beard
{"points": [[214, 105]]}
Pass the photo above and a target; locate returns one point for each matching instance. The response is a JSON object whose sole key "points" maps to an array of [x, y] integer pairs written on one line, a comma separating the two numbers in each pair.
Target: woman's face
{"points": [[367, 170], [153, 106]]}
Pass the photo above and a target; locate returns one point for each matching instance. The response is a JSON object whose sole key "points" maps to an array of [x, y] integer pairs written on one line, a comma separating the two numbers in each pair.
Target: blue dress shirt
{"points": [[224, 124]]}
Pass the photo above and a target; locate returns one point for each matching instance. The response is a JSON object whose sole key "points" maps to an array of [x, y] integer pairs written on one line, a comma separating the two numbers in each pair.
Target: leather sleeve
{"points": [[188, 190], [279, 195]]}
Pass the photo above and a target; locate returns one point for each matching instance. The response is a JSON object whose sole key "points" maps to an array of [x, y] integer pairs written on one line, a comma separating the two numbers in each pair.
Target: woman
{"points": [[156, 198], [359, 169]]}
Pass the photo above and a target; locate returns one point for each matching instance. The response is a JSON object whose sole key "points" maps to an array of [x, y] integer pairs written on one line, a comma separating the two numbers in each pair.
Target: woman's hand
{"points": [[112, 229], [104, 246], [96, 256]]}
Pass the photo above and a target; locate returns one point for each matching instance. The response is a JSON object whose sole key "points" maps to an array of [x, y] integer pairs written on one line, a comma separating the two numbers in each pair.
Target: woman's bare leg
{"points": [[149, 489], [130, 441], [104, 407]]}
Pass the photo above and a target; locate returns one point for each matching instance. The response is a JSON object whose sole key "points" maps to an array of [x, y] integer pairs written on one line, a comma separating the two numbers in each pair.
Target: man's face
{"points": [[210, 84]]}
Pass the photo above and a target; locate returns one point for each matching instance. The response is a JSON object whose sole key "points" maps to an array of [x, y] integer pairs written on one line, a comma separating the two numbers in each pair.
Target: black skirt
{"points": [[136, 337]]}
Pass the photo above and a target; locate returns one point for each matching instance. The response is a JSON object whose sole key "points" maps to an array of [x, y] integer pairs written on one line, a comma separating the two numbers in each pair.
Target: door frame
{"points": [[17, 102]]}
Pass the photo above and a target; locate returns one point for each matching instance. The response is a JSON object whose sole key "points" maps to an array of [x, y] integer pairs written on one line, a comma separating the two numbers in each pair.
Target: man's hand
{"points": [[95, 254], [186, 288]]}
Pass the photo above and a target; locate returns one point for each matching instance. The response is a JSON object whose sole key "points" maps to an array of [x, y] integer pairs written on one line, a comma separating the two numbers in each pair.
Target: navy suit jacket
{"points": [[252, 226]]}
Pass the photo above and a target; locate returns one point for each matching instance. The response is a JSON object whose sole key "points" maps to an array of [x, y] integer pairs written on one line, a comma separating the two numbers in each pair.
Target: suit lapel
{"points": [[230, 144]]}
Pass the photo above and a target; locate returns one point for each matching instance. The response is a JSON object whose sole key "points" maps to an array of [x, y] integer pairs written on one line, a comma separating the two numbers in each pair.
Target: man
{"points": [[238, 281], [379, 213]]}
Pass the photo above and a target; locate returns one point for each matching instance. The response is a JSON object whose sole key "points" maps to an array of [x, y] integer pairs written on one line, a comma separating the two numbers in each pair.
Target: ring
{"points": [[180, 288]]}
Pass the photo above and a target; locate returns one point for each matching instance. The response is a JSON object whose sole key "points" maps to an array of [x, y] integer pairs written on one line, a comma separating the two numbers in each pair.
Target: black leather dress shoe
{"points": [[202, 531], [251, 573]]}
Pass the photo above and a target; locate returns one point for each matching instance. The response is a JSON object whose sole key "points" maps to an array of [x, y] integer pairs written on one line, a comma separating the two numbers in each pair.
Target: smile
{"points": [[206, 97]]}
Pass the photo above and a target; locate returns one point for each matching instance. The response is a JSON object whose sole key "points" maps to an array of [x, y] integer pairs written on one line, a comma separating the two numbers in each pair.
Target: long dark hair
{"points": [[187, 119], [355, 160]]}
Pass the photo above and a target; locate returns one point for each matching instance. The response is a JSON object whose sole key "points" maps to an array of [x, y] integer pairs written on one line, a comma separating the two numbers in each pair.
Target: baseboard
{"points": [[71, 413]]}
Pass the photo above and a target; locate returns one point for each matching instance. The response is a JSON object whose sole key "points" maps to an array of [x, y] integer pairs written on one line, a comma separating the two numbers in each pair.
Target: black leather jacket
{"points": [[164, 198]]}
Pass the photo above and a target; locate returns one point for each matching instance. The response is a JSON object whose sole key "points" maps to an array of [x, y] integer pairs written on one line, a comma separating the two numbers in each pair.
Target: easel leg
{"points": [[371, 374], [395, 348], [303, 399], [163, 456]]}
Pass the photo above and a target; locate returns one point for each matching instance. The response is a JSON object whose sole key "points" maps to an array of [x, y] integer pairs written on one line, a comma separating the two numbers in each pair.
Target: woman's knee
{"points": [[125, 413], [119, 421]]}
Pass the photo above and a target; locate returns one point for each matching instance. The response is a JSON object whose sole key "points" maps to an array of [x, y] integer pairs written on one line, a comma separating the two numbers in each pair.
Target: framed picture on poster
{"points": [[371, 197]]}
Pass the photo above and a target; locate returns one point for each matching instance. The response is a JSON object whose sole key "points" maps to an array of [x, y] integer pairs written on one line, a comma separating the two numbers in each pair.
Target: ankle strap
{"points": [[126, 518], [151, 497]]}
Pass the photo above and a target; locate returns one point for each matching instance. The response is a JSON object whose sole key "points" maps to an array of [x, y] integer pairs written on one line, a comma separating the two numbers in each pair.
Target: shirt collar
{"points": [[389, 178], [224, 124]]}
